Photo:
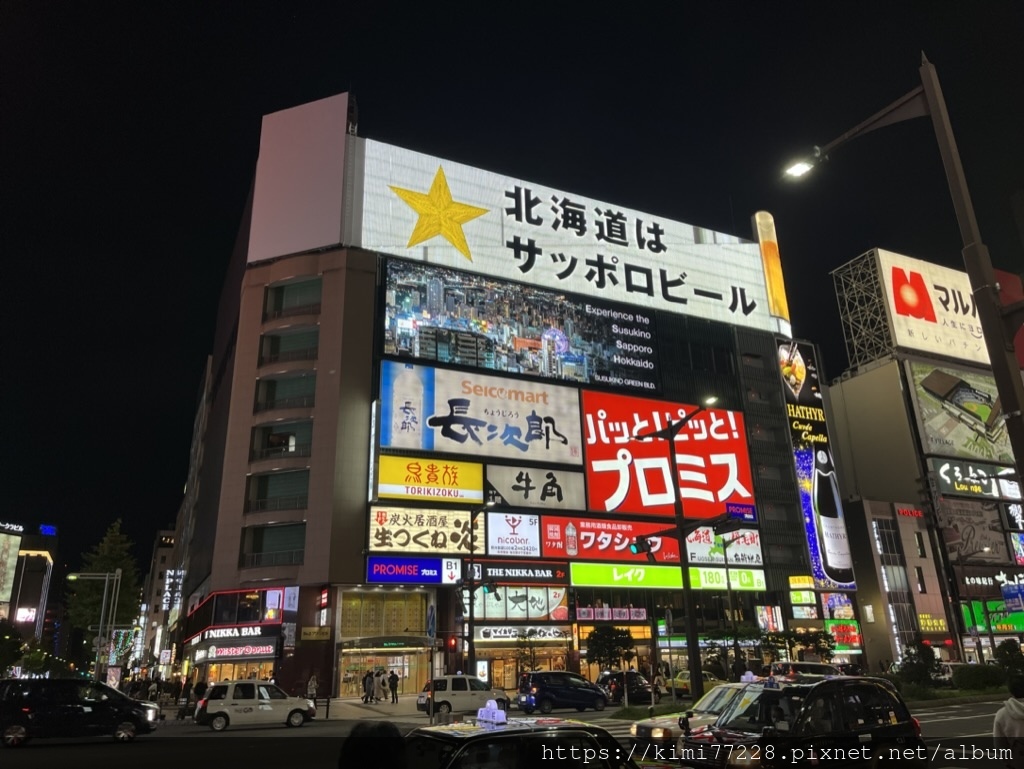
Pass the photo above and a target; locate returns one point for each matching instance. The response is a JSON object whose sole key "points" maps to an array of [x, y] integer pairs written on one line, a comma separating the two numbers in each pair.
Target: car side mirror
{"points": [[684, 723]]}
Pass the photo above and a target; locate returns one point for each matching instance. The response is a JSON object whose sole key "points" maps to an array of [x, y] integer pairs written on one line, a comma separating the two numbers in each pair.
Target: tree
{"points": [[85, 597], [919, 663], [607, 646], [526, 650], [10, 645], [1009, 656]]}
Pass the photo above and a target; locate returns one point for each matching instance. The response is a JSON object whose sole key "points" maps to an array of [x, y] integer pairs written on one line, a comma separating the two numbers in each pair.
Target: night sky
{"points": [[129, 141]]}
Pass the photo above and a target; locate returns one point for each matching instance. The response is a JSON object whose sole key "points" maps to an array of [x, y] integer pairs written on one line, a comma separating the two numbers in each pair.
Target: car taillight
{"points": [[917, 727], [533, 690], [202, 703]]}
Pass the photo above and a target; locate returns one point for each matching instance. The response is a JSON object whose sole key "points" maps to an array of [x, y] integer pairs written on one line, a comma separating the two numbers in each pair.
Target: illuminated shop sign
{"points": [[513, 534], [630, 476], [520, 602], [837, 605], [1013, 515], [9, 548], [802, 596], [515, 632], [431, 210], [909, 512], [1017, 545], [25, 615], [975, 479], [614, 614], [932, 624], [603, 539], [448, 316], [971, 531], [959, 413], [382, 569], [12, 528], [524, 572], [828, 543], [707, 578], [430, 479], [407, 530], [247, 651], [532, 487], [740, 548], [769, 619], [801, 581], [434, 409], [805, 612], [241, 631], [931, 308], [663, 577], [846, 634]]}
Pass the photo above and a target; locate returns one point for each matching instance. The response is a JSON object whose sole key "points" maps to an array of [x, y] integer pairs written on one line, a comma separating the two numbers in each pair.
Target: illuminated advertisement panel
{"points": [[958, 413], [531, 487], [632, 476], [522, 602], [824, 521], [1013, 515], [513, 534], [975, 479], [931, 308], [837, 605], [453, 411], [413, 531], [436, 314], [430, 210], [603, 539], [663, 577], [9, 545], [430, 479], [846, 633], [971, 531]]}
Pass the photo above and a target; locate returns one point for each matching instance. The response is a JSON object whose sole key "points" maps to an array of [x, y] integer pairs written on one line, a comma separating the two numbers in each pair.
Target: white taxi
{"points": [[251, 703]]}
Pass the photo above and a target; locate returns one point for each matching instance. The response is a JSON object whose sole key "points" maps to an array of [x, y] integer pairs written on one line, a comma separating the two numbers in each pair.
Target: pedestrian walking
{"points": [[1008, 725], [380, 686], [154, 691], [311, 686], [200, 689], [393, 686], [368, 687], [186, 691]]}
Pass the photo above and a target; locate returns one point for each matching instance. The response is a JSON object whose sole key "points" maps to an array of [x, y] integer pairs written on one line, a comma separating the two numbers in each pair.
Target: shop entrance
{"points": [[411, 665], [237, 671]]}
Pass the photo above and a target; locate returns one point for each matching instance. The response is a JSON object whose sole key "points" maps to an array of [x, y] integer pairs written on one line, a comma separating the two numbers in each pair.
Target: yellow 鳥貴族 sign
{"points": [[430, 479]]}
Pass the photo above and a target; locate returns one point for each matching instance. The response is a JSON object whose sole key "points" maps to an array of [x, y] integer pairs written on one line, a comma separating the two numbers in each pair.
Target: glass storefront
{"points": [[410, 663], [262, 670]]}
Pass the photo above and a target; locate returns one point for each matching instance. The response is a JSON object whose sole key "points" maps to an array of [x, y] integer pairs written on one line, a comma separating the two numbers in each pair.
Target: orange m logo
{"points": [[910, 295]]}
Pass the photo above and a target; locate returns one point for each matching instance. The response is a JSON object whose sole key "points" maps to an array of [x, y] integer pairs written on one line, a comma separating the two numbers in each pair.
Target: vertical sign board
{"points": [[824, 523]]}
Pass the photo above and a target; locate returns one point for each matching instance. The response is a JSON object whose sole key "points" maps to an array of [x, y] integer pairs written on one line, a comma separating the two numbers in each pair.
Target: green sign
{"points": [[802, 597], [1002, 620], [846, 632], [662, 577]]}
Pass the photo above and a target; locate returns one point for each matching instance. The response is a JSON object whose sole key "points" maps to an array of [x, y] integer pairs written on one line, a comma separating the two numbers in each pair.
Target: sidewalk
{"points": [[353, 708]]}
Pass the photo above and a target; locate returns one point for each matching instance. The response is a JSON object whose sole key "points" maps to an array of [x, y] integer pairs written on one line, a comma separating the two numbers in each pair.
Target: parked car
{"points": [[68, 707], [641, 691], [860, 721], [459, 694], [519, 743], [663, 731], [251, 703], [850, 668], [681, 683], [792, 670], [545, 690], [943, 675]]}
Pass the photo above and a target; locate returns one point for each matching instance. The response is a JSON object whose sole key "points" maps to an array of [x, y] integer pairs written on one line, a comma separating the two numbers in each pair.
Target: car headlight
{"points": [[310, 704], [151, 714], [632, 730], [660, 733], [743, 759]]}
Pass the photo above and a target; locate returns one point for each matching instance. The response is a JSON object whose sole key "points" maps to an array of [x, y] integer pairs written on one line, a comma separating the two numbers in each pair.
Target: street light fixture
{"points": [[999, 324], [726, 544], [669, 433], [106, 622]]}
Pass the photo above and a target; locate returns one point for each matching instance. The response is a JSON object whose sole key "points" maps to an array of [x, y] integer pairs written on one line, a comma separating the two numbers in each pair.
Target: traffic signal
{"points": [[490, 587], [453, 642], [640, 545]]}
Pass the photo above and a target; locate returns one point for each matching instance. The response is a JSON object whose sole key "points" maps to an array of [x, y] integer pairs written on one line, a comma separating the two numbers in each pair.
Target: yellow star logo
{"points": [[439, 214]]}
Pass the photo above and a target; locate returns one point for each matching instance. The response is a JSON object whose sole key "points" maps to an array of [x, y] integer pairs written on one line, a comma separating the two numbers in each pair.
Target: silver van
{"points": [[791, 670]]}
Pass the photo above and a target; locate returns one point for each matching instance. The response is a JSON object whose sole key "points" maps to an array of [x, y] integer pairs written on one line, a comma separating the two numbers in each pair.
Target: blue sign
{"points": [[397, 569], [745, 513], [1013, 597], [47, 530]]}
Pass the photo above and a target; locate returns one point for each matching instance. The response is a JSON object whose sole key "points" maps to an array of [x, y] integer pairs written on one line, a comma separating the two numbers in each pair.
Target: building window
{"points": [[919, 541], [160, 575], [163, 559], [919, 573]]}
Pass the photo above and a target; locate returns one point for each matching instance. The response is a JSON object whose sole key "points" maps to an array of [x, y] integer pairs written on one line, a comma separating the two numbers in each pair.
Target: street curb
{"points": [[966, 700]]}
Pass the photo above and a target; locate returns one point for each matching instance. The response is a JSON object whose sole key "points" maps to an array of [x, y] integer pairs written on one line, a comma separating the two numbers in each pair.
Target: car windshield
{"points": [[759, 707], [716, 701]]}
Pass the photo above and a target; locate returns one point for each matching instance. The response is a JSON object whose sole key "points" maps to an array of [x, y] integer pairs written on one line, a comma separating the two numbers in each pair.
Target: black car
{"points": [[641, 691], [68, 707], [544, 690], [845, 721], [526, 743]]}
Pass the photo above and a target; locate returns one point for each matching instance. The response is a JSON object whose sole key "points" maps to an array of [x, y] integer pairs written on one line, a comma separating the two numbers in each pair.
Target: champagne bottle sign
{"points": [[833, 543], [572, 547], [407, 410]]}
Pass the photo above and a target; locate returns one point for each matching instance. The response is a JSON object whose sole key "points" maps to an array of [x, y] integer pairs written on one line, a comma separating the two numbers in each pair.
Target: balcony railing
{"points": [[282, 452], [290, 402], [278, 558], [288, 312], [294, 502], [308, 353]]}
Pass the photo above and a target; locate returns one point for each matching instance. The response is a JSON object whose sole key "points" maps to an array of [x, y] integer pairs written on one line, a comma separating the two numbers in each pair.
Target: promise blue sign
{"points": [[403, 569]]}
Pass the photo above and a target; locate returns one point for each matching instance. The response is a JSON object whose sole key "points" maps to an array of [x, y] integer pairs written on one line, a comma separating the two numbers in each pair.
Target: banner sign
{"points": [[929, 623], [520, 602], [828, 543], [9, 548], [975, 479], [846, 633], [741, 547], [448, 316], [837, 605], [513, 534], [513, 633], [407, 530], [959, 413], [931, 308], [706, 578], [433, 409], [524, 572], [401, 570], [633, 476], [431, 210], [663, 577], [971, 531], [1013, 515], [1013, 595], [604, 539], [513, 486], [429, 479]]}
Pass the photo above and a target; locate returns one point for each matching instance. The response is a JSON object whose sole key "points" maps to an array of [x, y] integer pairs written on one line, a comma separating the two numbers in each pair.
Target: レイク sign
{"points": [[631, 476]]}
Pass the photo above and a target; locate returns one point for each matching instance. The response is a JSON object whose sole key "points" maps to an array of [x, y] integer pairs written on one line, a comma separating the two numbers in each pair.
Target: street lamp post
{"points": [[669, 433], [999, 324], [471, 585], [726, 544], [106, 621]]}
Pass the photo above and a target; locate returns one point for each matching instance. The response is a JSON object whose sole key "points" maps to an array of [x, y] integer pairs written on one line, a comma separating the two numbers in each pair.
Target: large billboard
{"points": [[604, 539], [429, 479], [550, 489], [931, 308], [958, 413], [431, 409], [9, 546], [828, 543], [426, 209], [448, 316], [419, 531], [972, 531], [974, 479], [625, 475]]}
